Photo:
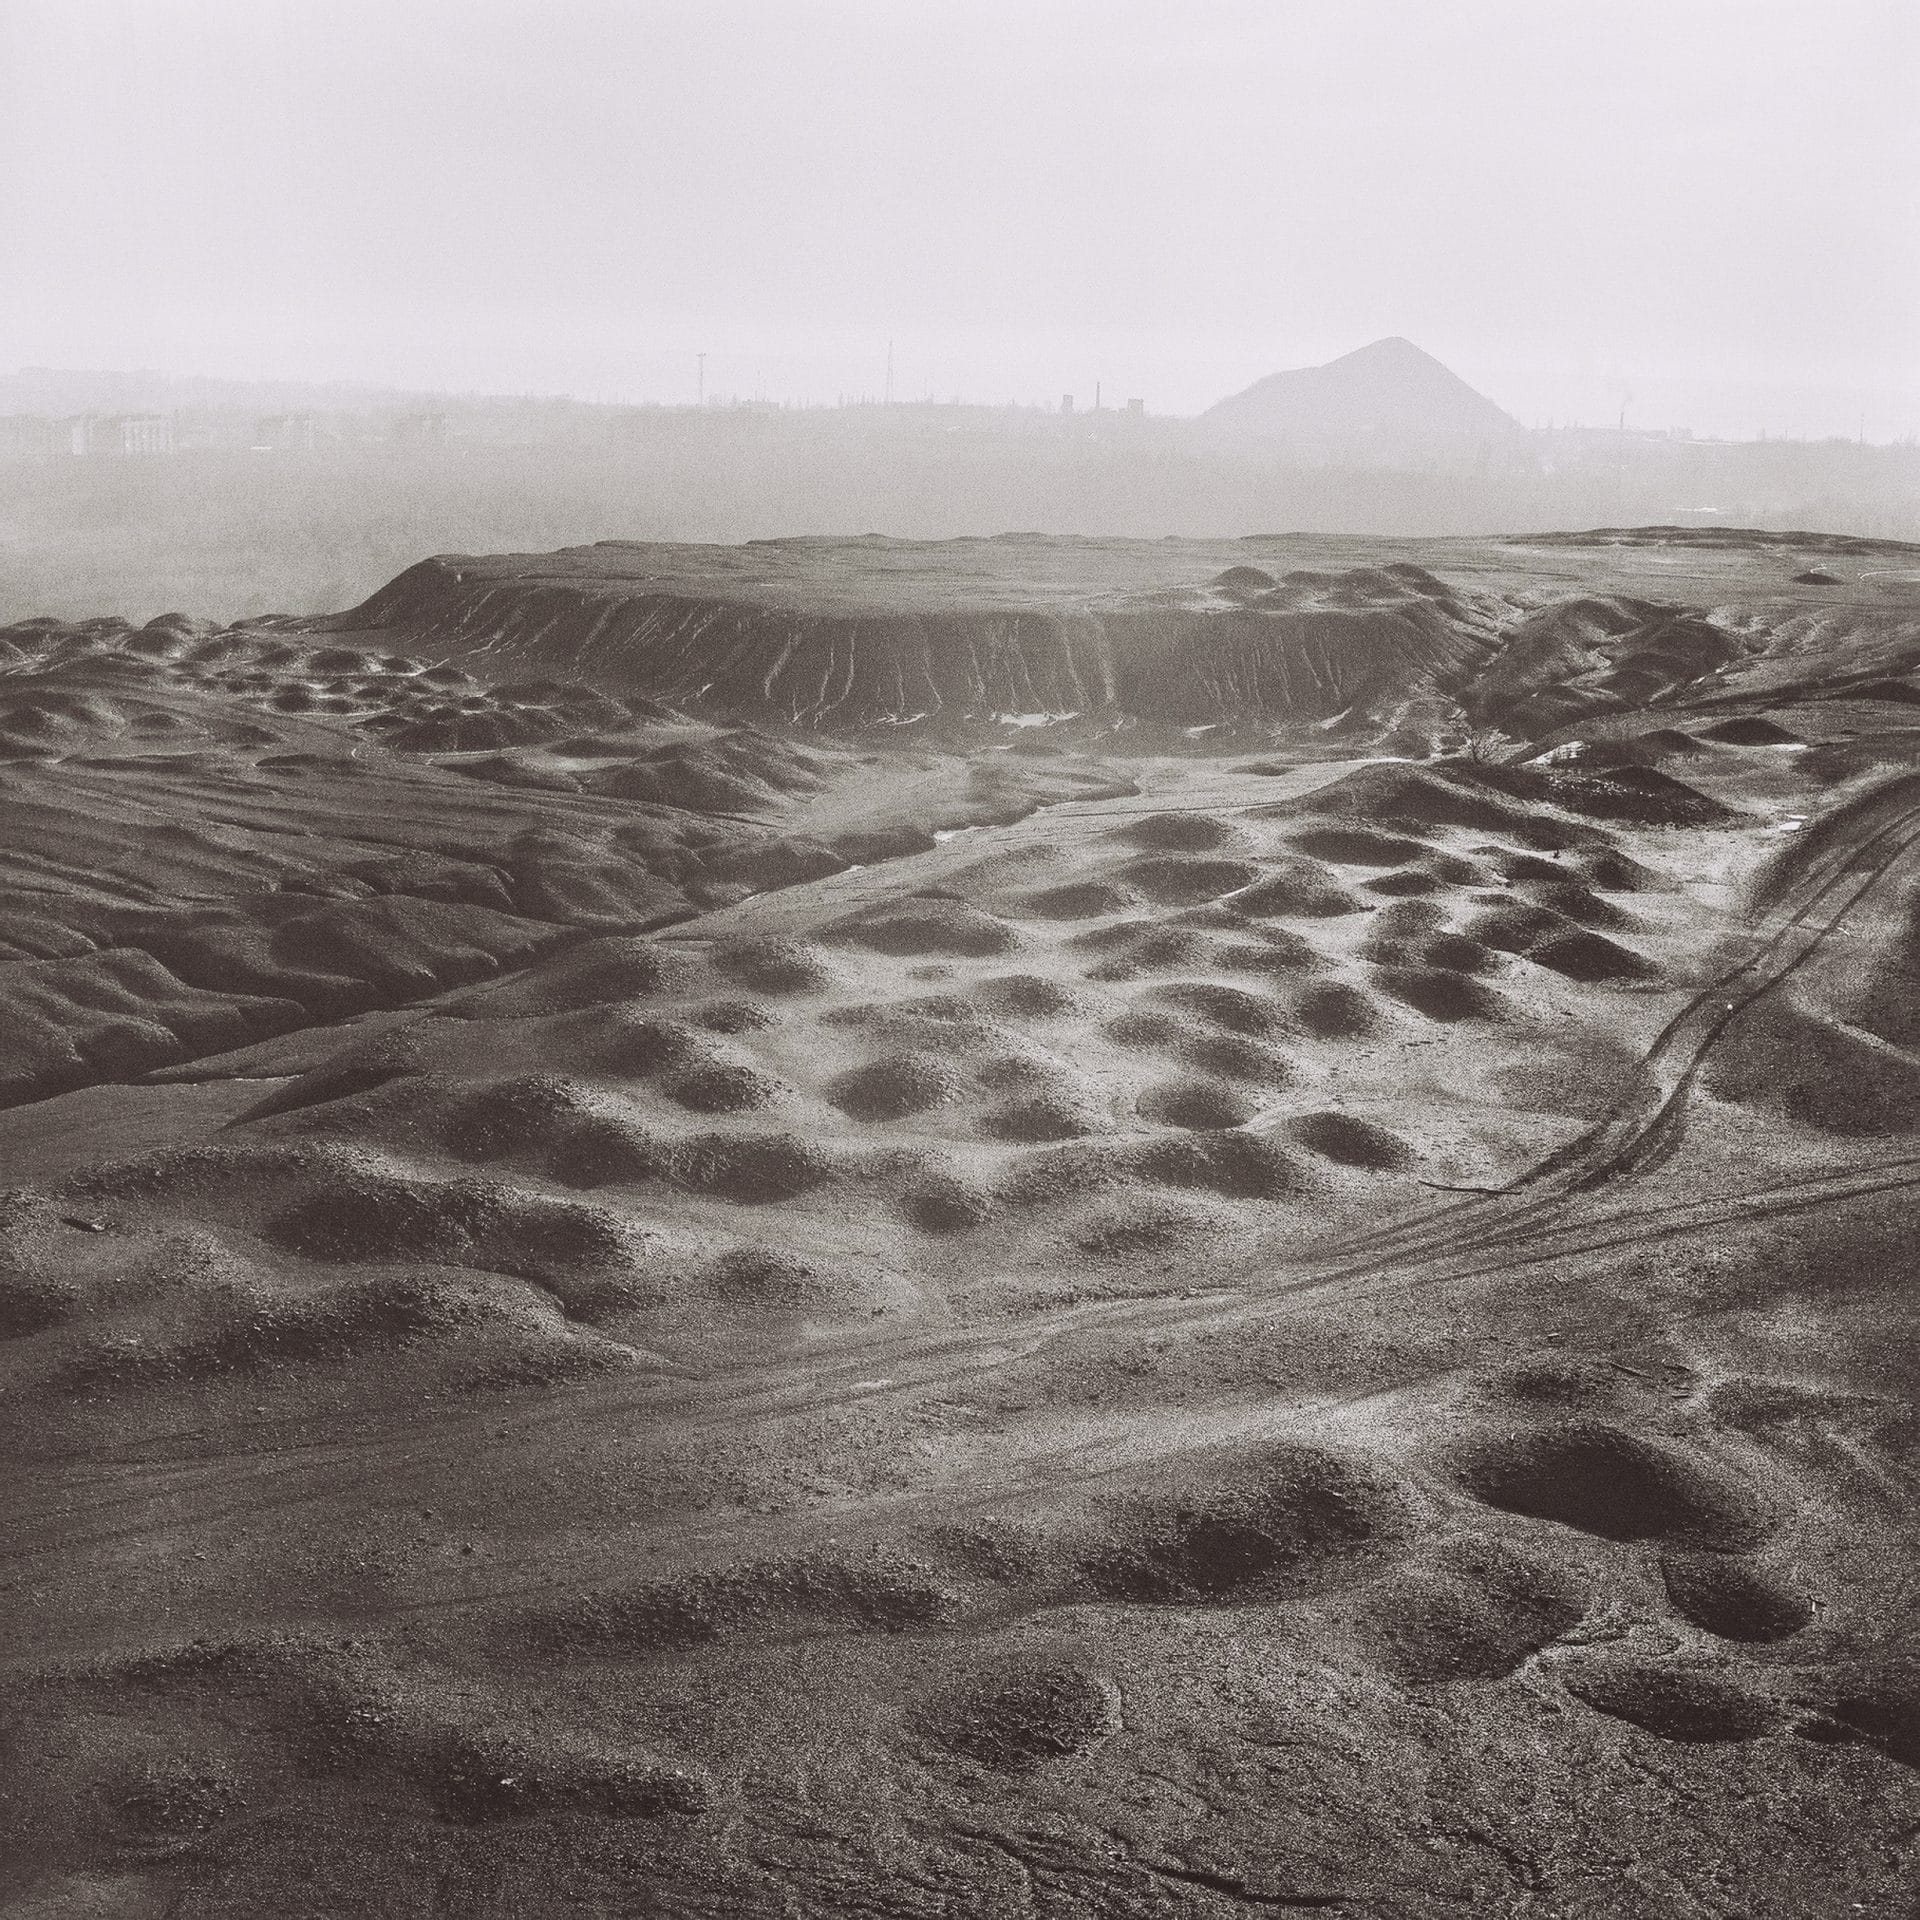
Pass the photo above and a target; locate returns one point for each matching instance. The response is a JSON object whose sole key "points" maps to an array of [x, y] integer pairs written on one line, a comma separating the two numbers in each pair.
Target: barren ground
{"points": [[1024, 1227]]}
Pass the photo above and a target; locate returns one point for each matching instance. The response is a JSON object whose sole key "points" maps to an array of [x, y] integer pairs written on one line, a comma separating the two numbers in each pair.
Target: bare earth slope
{"points": [[1018, 1227]]}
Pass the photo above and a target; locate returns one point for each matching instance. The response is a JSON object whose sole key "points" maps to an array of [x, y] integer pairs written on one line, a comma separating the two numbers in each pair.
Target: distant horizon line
{"points": [[372, 394], [377, 394]]}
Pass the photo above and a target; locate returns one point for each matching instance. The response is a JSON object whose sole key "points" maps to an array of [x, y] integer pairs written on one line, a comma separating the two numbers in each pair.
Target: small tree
{"points": [[1459, 735]]}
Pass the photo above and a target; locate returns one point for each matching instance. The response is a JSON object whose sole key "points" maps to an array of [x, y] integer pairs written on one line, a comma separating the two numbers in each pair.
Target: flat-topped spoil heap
{"points": [[859, 633]]}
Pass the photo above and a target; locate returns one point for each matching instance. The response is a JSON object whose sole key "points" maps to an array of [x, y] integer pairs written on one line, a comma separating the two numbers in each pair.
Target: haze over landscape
{"points": [[1698, 211], [959, 963], [144, 494], [1671, 243]]}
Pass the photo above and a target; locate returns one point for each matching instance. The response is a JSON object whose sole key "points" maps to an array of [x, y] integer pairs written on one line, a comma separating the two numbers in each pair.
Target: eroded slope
{"points": [[1267, 1331]]}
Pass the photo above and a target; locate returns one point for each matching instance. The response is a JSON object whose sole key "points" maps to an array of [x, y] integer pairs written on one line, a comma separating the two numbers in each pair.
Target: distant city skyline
{"points": [[1888, 424], [1700, 211]]}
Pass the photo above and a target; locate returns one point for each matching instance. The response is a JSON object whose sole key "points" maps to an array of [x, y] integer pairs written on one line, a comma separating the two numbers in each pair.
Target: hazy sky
{"points": [[1708, 210]]}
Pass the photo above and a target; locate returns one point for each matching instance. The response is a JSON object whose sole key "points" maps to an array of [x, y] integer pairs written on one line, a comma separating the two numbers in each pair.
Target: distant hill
{"points": [[1385, 403]]}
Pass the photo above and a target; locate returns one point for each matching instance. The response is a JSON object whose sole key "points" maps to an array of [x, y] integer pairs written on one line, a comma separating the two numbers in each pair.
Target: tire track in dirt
{"points": [[1645, 1124], [1475, 1241]]}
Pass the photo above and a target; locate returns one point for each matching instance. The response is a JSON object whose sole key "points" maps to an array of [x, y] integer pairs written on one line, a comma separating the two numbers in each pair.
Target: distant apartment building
{"points": [[31, 436], [287, 433], [85, 436], [419, 430], [142, 433]]}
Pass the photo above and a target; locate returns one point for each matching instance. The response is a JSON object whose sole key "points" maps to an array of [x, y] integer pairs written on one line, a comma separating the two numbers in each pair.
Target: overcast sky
{"points": [[1707, 211]]}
